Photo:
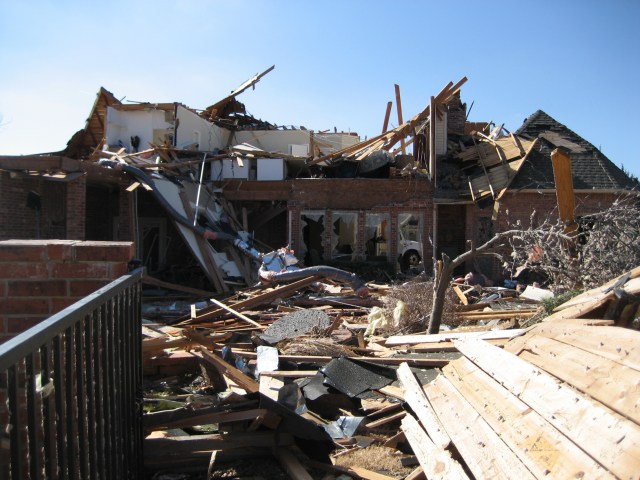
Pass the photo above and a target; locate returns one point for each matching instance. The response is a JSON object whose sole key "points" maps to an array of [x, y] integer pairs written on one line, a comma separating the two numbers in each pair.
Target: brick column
{"points": [[76, 208]]}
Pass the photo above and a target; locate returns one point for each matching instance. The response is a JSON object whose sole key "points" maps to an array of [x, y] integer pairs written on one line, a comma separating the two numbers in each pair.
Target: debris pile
{"points": [[290, 383]]}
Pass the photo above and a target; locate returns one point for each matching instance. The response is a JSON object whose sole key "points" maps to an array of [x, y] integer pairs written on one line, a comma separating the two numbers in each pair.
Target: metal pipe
{"points": [[328, 272], [195, 215]]}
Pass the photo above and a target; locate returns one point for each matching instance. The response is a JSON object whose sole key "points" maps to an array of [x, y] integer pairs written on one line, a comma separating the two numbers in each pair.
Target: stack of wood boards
{"points": [[560, 401]]}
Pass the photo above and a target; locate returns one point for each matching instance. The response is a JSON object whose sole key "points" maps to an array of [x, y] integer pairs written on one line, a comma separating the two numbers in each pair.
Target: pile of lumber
{"points": [[556, 400]]}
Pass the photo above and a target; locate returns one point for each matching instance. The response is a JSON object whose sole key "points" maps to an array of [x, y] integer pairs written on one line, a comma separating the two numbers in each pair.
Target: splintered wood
{"points": [[556, 400]]}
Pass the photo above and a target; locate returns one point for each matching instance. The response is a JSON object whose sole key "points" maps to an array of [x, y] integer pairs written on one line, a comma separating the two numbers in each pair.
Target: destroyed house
{"points": [[395, 200]]}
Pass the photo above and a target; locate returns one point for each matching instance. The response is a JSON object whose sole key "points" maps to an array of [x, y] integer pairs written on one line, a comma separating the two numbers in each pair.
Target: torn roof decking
{"points": [[499, 159]]}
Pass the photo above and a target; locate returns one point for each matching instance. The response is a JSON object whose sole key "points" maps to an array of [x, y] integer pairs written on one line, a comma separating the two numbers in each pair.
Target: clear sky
{"points": [[336, 62]]}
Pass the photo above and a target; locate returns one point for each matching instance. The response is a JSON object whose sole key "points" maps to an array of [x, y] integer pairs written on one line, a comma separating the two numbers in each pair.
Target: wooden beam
{"points": [[435, 462], [237, 314], [400, 122], [256, 301], [384, 420], [243, 380], [385, 125], [446, 336], [415, 397], [564, 188], [197, 417]]}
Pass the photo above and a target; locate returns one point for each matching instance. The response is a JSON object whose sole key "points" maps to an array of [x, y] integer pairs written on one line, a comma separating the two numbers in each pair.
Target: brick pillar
{"points": [[76, 208]]}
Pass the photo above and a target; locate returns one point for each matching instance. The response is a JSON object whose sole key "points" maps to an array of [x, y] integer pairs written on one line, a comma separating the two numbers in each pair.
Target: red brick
{"points": [[3, 288], [81, 270], [104, 251], [42, 288], [118, 269], [62, 250], [21, 251], [24, 306], [82, 288], [18, 325], [24, 270], [58, 304]]}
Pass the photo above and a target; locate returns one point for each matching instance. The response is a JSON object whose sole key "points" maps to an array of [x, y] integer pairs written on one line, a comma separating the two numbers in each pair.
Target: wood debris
{"points": [[487, 399]]}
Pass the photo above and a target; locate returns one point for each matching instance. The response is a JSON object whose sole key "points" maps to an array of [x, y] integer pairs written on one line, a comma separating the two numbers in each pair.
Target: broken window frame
{"points": [[377, 230], [304, 253], [342, 250]]}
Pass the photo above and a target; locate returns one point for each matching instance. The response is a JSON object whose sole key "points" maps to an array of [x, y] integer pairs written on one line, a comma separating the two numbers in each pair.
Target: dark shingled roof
{"points": [[591, 169]]}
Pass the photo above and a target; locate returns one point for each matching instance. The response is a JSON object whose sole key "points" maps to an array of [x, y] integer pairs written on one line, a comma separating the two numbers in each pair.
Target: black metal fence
{"points": [[70, 391]]}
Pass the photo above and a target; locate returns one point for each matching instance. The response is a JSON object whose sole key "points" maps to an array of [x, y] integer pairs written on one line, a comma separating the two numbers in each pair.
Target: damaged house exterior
{"points": [[163, 174]]}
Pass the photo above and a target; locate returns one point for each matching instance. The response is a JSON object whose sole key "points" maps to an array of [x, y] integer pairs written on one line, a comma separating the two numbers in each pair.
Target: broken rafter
{"points": [[262, 299], [400, 122], [213, 110], [390, 138]]}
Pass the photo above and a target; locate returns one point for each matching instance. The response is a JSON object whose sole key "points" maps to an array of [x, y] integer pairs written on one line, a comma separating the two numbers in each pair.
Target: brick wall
{"points": [[17, 220], [38, 278]]}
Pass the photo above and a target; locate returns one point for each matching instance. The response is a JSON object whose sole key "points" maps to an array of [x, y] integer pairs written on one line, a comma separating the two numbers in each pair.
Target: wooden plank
{"points": [[497, 314], [417, 474], [237, 314], [460, 295], [197, 418], [243, 381], [270, 386], [400, 121], [366, 474], [185, 444], [603, 379], [449, 346], [385, 124], [564, 188], [384, 420], [446, 336], [621, 345], [436, 463], [484, 452], [258, 300], [539, 446], [414, 362], [417, 400], [606, 436], [291, 464]]}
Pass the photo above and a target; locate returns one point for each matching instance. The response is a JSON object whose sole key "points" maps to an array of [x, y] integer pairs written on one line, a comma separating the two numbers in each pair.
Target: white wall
{"points": [[195, 129], [279, 140], [123, 124]]}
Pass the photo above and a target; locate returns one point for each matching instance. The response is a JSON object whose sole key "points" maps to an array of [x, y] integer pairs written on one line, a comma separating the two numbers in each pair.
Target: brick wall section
{"points": [[38, 278], [17, 220], [76, 208]]}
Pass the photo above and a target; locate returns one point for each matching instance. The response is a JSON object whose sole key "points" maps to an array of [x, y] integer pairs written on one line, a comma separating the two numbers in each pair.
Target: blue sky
{"points": [[336, 62]]}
